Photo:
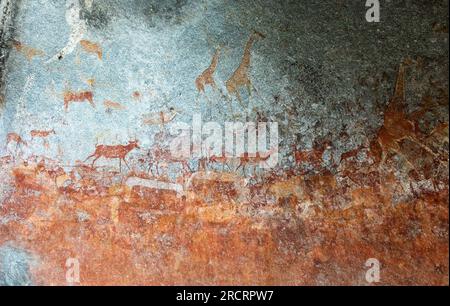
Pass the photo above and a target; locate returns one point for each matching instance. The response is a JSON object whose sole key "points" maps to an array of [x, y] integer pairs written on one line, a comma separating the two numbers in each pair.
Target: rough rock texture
{"points": [[362, 110], [7, 14]]}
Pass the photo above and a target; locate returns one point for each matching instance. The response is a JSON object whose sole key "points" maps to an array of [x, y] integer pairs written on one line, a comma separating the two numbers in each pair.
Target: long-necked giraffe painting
{"points": [[397, 126], [241, 77], [207, 76]]}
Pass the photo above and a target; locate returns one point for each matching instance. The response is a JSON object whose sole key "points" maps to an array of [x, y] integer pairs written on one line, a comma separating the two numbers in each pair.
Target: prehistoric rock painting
{"points": [[81, 96], [207, 76], [42, 134], [91, 47], [240, 78], [15, 138], [118, 151], [113, 105], [160, 118], [27, 51], [362, 168]]}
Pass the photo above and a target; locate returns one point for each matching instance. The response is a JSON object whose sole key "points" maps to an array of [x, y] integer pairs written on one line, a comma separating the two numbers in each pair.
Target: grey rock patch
{"points": [[15, 267]]}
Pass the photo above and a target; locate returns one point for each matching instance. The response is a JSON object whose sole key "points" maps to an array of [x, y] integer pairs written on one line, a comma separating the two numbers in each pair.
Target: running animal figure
{"points": [[110, 152]]}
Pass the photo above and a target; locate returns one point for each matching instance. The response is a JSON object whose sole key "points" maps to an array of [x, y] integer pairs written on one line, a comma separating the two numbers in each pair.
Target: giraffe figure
{"points": [[397, 126], [240, 77], [206, 77]]}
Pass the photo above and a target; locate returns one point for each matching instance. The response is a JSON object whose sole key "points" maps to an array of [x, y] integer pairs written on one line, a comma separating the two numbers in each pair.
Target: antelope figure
{"points": [[110, 152], [41, 134], [14, 137], [165, 155], [81, 96], [247, 160], [240, 77], [113, 105], [219, 159], [27, 51], [91, 47]]}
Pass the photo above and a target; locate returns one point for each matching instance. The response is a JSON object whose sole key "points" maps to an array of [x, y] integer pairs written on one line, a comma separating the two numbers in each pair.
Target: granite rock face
{"points": [[90, 192]]}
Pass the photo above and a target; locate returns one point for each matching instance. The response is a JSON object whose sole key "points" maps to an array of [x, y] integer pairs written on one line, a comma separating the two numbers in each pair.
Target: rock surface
{"points": [[362, 112]]}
